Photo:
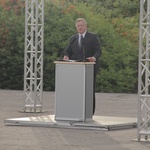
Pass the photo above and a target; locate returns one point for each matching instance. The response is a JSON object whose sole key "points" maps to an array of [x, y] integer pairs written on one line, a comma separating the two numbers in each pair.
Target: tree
{"points": [[11, 49], [116, 26]]}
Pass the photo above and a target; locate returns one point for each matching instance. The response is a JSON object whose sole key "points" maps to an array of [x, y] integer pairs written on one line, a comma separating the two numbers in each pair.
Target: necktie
{"points": [[80, 41]]}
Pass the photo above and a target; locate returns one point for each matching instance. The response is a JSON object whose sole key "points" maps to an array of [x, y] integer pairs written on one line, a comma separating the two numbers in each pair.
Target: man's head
{"points": [[81, 25]]}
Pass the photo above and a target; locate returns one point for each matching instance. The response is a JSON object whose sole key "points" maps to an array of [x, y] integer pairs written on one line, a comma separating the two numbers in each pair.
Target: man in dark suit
{"points": [[84, 46]]}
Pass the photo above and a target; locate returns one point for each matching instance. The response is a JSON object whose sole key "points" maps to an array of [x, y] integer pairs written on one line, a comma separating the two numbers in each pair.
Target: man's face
{"points": [[81, 27]]}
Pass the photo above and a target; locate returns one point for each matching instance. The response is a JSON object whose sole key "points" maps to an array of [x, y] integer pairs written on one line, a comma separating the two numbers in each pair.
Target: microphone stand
{"points": [[83, 53], [84, 60]]}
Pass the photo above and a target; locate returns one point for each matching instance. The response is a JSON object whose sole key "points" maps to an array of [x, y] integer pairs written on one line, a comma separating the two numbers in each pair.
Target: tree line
{"points": [[115, 22]]}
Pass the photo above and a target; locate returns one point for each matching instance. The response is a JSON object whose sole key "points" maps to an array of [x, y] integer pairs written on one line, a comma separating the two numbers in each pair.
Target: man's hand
{"points": [[65, 58], [91, 59]]}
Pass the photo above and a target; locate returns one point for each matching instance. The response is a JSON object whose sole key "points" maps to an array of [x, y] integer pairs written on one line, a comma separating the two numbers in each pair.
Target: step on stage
{"points": [[97, 123]]}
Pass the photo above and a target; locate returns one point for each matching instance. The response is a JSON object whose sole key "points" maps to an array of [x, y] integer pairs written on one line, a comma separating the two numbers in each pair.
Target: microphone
{"points": [[71, 42]]}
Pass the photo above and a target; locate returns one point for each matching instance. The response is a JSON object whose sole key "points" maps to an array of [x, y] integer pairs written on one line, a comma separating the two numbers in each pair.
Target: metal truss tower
{"points": [[143, 128], [33, 57]]}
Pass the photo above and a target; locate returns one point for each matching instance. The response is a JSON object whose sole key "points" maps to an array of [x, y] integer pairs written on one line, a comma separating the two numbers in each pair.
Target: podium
{"points": [[74, 91]]}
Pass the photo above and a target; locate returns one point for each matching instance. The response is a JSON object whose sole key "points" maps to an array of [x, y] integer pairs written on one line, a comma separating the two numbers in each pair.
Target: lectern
{"points": [[73, 91]]}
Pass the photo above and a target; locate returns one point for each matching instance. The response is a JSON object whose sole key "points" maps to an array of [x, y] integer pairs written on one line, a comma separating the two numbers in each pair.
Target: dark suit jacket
{"points": [[91, 47]]}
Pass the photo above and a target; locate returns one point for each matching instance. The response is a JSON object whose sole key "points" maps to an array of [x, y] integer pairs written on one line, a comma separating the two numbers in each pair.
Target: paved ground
{"points": [[40, 138]]}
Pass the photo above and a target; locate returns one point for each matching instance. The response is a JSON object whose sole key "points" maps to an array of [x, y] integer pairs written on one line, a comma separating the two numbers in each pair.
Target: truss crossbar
{"points": [[33, 58], [143, 128]]}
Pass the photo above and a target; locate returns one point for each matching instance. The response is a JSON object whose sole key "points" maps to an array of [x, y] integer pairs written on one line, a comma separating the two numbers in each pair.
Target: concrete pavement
{"points": [[40, 138]]}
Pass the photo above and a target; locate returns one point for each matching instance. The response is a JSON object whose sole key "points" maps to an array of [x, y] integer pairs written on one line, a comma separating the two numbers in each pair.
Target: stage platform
{"points": [[97, 123]]}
